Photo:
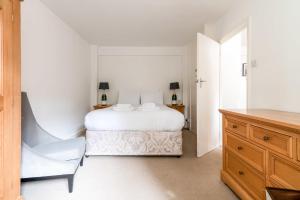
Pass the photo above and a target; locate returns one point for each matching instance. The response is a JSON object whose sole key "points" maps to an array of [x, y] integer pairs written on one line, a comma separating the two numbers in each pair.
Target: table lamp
{"points": [[103, 86], [174, 86]]}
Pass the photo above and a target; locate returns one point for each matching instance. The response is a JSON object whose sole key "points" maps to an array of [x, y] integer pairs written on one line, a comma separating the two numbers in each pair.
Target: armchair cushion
{"points": [[63, 150], [38, 165]]}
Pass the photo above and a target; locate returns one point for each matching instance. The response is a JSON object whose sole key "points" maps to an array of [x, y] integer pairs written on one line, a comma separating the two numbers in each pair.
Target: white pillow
{"points": [[152, 97], [129, 97]]}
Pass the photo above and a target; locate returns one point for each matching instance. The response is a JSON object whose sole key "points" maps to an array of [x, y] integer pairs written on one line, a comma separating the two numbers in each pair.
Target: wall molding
{"points": [[103, 51], [141, 51]]}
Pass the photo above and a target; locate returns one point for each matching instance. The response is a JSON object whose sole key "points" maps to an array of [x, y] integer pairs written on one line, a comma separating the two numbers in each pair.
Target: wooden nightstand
{"points": [[179, 108], [100, 106]]}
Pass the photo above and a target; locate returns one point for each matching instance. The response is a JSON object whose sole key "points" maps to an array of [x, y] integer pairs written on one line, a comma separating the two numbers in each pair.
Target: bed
{"points": [[135, 132]]}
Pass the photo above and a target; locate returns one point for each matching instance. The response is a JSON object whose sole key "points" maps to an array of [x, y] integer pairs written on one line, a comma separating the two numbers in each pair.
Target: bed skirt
{"points": [[134, 143]]}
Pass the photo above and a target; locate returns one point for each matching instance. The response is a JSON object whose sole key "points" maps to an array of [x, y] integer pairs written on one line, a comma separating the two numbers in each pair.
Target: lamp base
{"points": [[104, 99], [174, 99]]}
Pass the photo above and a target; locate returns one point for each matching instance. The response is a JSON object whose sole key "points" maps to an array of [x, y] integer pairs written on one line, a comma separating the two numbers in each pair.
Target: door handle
{"points": [[201, 81]]}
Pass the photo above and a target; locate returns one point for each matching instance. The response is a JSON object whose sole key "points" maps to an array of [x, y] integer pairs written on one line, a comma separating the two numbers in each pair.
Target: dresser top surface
{"points": [[282, 118]]}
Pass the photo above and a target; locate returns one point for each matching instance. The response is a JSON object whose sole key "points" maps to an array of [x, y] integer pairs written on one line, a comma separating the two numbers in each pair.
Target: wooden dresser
{"points": [[260, 148]]}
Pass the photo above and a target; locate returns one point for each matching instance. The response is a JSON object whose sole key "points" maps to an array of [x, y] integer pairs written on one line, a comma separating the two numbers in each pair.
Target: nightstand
{"points": [[100, 106], [179, 108]]}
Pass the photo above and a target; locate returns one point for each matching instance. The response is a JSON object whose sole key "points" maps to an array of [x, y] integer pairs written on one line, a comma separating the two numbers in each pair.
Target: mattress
{"points": [[162, 119]]}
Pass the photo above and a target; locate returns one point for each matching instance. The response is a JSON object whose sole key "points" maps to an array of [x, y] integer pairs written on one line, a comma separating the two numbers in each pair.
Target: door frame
{"points": [[10, 93], [245, 24]]}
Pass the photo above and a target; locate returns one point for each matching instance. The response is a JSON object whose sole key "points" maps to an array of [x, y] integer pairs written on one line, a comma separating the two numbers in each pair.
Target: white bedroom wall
{"points": [[143, 68], [55, 70], [275, 46]]}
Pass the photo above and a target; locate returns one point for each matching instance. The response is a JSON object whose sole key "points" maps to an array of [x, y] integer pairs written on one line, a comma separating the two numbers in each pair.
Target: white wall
{"points": [[275, 46], [55, 70], [140, 69], [144, 68]]}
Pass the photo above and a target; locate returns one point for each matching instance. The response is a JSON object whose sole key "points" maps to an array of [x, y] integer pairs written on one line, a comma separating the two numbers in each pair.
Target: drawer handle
{"points": [[266, 138], [241, 173], [234, 126], [239, 148]]}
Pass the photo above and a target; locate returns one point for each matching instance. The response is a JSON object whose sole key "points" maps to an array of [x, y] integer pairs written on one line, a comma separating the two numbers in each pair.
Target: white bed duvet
{"points": [[161, 119]]}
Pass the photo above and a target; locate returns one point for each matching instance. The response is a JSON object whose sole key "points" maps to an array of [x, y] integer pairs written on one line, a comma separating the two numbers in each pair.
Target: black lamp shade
{"points": [[103, 86], [174, 86]]}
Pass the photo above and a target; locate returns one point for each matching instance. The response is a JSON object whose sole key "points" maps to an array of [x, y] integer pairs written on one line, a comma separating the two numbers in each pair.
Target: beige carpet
{"points": [[140, 178]]}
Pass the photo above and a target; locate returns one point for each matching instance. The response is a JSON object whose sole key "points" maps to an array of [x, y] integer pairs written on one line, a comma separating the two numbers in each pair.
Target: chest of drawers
{"points": [[261, 148]]}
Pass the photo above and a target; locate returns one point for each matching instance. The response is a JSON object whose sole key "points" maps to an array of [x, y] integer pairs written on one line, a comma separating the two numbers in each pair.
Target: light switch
{"points": [[253, 63]]}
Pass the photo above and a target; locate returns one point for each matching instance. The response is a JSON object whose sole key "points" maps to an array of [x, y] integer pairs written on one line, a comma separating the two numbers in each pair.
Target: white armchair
{"points": [[45, 156]]}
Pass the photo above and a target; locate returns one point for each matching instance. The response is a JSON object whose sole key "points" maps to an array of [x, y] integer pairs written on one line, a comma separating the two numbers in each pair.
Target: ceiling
{"points": [[138, 22]]}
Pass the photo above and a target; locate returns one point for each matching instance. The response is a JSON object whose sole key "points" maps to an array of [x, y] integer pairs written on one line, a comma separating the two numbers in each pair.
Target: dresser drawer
{"points": [[236, 126], [284, 172], [245, 175], [252, 154], [274, 140]]}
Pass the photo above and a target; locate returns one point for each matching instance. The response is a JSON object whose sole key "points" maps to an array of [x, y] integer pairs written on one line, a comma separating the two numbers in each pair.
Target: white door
{"points": [[208, 118]]}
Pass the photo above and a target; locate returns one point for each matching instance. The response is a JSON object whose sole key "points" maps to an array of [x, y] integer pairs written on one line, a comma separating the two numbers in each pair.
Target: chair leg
{"points": [[70, 182], [81, 162]]}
